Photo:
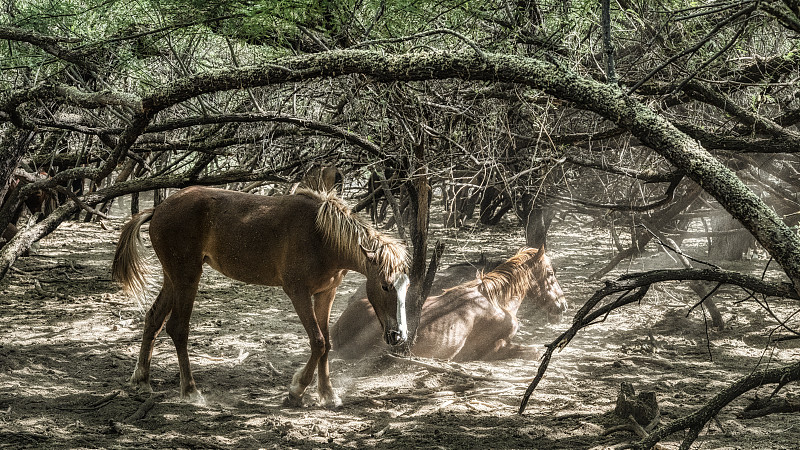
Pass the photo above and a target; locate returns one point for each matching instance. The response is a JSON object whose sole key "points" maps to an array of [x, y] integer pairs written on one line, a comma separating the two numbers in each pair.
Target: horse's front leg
{"points": [[303, 377], [507, 350], [322, 308]]}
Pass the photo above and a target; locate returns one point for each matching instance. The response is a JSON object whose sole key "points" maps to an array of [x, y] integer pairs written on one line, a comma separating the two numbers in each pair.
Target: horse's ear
{"points": [[482, 261], [540, 252]]}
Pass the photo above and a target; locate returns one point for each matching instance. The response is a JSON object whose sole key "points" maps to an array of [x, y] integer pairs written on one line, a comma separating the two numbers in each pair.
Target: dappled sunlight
{"points": [[66, 351]]}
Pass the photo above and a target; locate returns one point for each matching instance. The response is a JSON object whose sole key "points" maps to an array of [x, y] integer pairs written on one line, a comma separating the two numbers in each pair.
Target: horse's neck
{"points": [[355, 264], [521, 288], [514, 303], [359, 262], [537, 285]]}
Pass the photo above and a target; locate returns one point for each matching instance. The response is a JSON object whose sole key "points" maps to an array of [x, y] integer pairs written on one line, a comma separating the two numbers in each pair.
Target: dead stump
{"points": [[639, 413], [643, 408]]}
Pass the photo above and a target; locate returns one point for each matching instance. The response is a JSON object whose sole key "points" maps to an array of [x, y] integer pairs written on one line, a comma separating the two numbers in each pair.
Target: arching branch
{"points": [[326, 128], [608, 101]]}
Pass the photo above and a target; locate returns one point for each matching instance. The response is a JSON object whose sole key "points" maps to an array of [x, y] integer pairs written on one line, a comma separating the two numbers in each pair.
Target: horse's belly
{"points": [[245, 273], [442, 338]]}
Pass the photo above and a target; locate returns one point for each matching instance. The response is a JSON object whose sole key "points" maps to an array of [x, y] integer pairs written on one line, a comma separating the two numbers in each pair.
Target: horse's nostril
{"points": [[394, 338]]}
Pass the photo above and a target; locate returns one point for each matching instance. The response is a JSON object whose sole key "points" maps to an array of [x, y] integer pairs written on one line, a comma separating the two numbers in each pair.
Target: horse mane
{"points": [[347, 232], [511, 279]]}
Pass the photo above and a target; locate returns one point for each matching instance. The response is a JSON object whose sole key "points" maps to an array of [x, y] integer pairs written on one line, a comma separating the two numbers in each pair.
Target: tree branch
{"points": [[721, 101], [634, 287], [329, 129], [695, 421]]}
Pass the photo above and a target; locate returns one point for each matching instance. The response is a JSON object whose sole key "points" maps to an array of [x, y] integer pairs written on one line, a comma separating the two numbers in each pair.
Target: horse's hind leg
{"points": [[178, 329], [153, 322]]}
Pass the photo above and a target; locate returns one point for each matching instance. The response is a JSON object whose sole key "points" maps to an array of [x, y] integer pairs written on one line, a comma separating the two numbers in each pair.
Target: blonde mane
{"points": [[347, 232], [512, 279]]}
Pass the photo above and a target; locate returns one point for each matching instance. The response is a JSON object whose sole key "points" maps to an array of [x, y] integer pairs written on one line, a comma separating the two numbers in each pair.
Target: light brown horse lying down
{"points": [[472, 321]]}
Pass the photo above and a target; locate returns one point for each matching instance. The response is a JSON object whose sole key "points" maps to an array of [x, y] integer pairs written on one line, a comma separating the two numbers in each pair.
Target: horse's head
{"points": [[387, 295], [549, 295]]}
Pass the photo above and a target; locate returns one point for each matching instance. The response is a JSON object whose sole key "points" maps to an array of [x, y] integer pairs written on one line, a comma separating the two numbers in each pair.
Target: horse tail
{"points": [[130, 268]]}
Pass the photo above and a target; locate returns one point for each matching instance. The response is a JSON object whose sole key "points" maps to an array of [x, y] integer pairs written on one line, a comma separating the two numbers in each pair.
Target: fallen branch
{"points": [[584, 318], [761, 408], [221, 359], [37, 285], [695, 422], [640, 283], [452, 370], [26, 270], [144, 408], [97, 404], [273, 370]]}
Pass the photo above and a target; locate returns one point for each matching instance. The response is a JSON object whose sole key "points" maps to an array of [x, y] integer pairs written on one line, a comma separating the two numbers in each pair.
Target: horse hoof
{"points": [[293, 401], [194, 397], [142, 387], [333, 403]]}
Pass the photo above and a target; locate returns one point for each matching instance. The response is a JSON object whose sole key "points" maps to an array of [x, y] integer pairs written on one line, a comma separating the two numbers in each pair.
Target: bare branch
{"points": [[634, 287], [697, 420]]}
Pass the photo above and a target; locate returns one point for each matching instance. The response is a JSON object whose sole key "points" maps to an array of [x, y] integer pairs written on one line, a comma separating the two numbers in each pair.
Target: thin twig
{"points": [[675, 250], [706, 39], [469, 41]]}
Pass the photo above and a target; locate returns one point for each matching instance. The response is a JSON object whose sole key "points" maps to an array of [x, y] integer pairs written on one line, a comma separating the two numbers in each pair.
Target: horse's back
{"points": [[450, 322], [447, 322], [453, 275], [248, 237]]}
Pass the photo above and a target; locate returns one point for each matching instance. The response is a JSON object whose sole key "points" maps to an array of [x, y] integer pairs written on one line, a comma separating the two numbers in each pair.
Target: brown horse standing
{"points": [[304, 243], [473, 321]]}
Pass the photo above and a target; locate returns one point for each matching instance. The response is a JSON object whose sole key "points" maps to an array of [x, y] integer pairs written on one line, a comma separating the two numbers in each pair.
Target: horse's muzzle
{"points": [[556, 314], [393, 337]]}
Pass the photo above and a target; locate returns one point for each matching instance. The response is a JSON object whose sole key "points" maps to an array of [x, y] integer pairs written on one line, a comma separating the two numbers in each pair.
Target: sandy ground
{"points": [[69, 339]]}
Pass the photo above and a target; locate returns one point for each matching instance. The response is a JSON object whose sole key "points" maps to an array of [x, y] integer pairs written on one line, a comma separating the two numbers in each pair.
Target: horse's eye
{"points": [[386, 287]]}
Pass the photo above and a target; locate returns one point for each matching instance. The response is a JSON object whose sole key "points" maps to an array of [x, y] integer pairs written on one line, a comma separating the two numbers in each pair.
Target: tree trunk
{"points": [[27, 236], [13, 145], [537, 217], [420, 195], [420, 200], [732, 243]]}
